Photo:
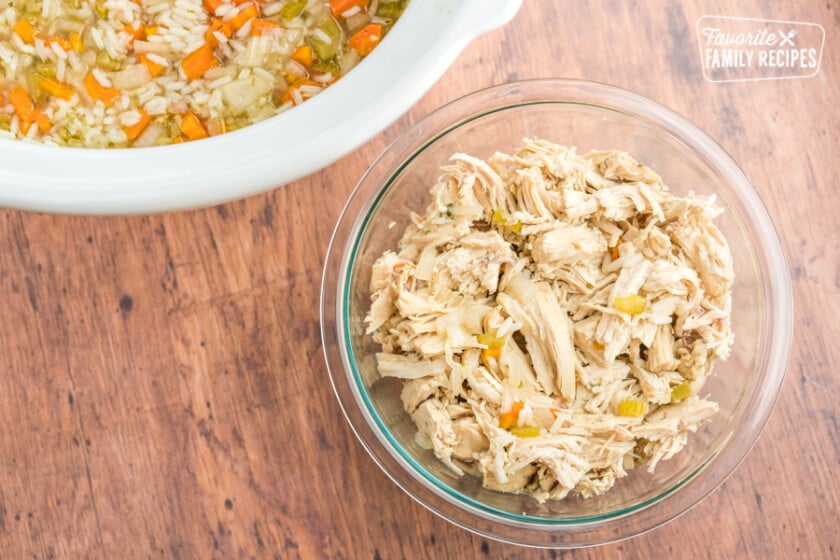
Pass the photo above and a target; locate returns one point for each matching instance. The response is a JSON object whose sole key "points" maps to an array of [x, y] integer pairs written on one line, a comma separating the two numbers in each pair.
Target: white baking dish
{"points": [[422, 45]]}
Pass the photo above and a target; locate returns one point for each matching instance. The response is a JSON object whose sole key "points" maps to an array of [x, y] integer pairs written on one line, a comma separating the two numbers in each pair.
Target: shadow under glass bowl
{"points": [[588, 116]]}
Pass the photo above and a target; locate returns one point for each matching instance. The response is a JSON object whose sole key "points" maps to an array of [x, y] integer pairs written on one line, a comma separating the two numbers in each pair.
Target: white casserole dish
{"points": [[419, 49]]}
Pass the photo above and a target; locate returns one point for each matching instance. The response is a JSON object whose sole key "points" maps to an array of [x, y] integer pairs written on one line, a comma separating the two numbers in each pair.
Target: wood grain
{"points": [[163, 392]]}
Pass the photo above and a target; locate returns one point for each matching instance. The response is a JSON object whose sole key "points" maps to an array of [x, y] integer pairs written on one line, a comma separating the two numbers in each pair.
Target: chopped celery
{"points": [[494, 347], [525, 431], [45, 68], [632, 304], [501, 218], [390, 10], [327, 50], [293, 9], [680, 392], [104, 61], [491, 340], [631, 407], [329, 66]]}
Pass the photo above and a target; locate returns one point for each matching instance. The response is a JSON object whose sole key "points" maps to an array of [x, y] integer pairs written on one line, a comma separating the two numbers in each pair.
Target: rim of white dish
{"points": [[419, 49]]}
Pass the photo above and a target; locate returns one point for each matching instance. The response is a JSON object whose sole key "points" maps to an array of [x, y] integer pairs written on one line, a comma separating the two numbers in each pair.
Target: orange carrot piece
{"points": [[76, 42], [303, 55], [61, 42], [199, 61], [135, 31], [97, 91], [244, 15], [151, 30], [154, 68], [23, 104], [192, 127], [366, 39], [211, 5], [508, 419], [134, 130], [42, 121], [25, 31], [338, 7], [263, 26], [56, 88], [288, 94], [219, 26]]}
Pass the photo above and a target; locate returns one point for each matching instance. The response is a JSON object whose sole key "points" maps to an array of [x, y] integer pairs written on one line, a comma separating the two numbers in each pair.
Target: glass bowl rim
{"points": [[576, 92]]}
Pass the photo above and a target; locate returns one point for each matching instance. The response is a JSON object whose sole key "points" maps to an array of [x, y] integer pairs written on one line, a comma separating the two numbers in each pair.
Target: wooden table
{"points": [[163, 391]]}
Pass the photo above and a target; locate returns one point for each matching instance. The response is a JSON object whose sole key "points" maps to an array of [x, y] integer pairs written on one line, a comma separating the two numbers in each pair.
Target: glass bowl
{"points": [[587, 116]]}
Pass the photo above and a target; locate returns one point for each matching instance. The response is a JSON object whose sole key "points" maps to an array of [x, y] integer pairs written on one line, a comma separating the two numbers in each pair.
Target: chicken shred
{"points": [[539, 292]]}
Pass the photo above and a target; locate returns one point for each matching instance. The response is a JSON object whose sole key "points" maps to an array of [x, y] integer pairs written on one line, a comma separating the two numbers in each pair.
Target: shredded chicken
{"points": [[554, 317]]}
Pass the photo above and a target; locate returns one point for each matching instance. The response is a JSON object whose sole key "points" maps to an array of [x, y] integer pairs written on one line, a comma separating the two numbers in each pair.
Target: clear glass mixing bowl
{"points": [[588, 116]]}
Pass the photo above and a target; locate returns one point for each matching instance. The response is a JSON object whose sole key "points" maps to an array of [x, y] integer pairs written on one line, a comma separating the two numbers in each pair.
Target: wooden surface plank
{"points": [[163, 393]]}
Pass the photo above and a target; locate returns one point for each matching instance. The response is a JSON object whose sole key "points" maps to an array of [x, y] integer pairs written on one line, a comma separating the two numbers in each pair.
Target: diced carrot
{"points": [[211, 5], [263, 26], [56, 88], [338, 7], [135, 31], [151, 30], [76, 42], [366, 39], [245, 14], [154, 68], [288, 94], [178, 140], [509, 418], [192, 127], [303, 55], [61, 42], [614, 254], [25, 31], [219, 26], [106, 95], [199, 61], [42, 121], [23, 104], [134, 130]]}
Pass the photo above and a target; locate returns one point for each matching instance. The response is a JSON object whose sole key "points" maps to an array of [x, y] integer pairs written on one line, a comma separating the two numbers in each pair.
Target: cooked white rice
{"points": [[111, 73]]}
